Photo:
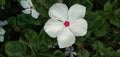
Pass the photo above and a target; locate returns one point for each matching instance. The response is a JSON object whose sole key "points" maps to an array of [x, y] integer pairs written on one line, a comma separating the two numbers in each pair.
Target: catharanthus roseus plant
{"points": [[59, 28]]}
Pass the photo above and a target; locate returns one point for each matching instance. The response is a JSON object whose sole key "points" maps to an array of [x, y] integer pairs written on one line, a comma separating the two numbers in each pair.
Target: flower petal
{"points": [[53, 27], [2, 31], [67, 53], [1, 38], [24, 4], [2, 23], [35, 14], [79, 27], [66, 38], [26, 11], [74, 53], [71, 55], [77, 11], [30, 2], [59, 11]]}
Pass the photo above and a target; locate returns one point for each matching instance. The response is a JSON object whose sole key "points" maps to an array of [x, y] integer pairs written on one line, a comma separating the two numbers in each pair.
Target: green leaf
{"points": [[18, 49], [115, 21], [102, 31], [30, 37], [42, 6], [98, 45], [45, 38], [58, 53], [88, 35], [2, 2], [79, 40], [24, 19], [86, 3], [83, 53], [114, 4], [107, 7], [94, 20], [12, 22], [114, 18], [44, 52], [46, 3], [96, 55]]}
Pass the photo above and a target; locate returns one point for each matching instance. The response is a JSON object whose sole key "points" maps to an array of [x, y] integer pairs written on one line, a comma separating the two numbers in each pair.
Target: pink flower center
{"points": [[66, 23], [31, 7]]}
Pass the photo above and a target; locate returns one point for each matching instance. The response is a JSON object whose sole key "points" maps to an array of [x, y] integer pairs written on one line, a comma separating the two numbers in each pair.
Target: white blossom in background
{"points": [[70, 51], [52, 45], [66, 24], [29, 8], [2, 31], [2, 8]]}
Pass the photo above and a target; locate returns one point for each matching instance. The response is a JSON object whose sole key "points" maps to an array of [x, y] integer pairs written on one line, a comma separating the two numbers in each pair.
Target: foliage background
{"points": [[25, 36]]}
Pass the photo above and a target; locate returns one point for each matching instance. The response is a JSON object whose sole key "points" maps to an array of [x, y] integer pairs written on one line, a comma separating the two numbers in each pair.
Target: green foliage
{"points": [[18, 49], [58, 53], [25, 36], [107, 6], [30, 37], [12, 21], [83, 53], [45, 38], [102, 31], [115, 20], [43, 6], [23, 20], [2, 2]]}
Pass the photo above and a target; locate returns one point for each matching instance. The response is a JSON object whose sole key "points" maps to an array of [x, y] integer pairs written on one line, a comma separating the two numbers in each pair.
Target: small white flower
{"points": [[2, 31], [29, 8], [52, 45], [66, 24], [70, 51]]}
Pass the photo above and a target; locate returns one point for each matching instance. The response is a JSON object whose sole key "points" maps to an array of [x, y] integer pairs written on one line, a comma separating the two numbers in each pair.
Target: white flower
{"points": [[2, 31], [29, 8], [52, 45], [70, 51], [66, 24]]}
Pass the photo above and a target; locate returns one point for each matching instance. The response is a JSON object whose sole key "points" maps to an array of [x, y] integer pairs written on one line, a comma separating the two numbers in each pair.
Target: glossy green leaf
{"points": [[98, 45], [58, 53], [102, 31], [83, 53], [86, 3], [94, 20], [18, 49], [79, 40], [45, 38], [44, 52], [42, 6], [24, 19], [30, 37], [12, 22], [96, 55], [107, 6], [115, 19]]}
